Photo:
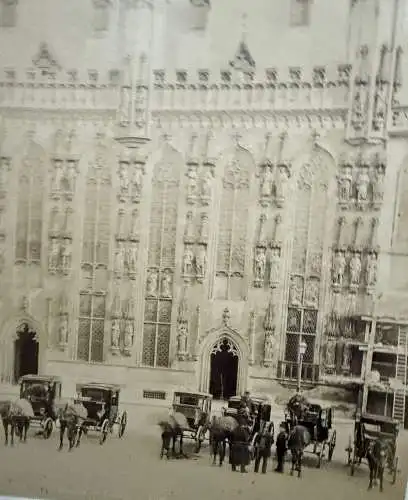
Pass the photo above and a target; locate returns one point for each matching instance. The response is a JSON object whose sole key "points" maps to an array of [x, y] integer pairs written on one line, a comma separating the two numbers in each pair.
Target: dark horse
{"points": [[378, 455], [12, 416], [71, 421], [299, 438], [171, 432]]}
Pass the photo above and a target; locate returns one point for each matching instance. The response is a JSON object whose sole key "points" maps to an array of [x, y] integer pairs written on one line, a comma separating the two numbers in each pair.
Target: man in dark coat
{"points": [[281, 447], [239, 449], [263, 443]]}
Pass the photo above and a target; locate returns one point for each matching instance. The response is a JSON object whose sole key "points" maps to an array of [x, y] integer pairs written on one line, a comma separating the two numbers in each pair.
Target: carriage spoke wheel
{"points": [[104, 431], [122, 424], [332, 445], [349, 450], [395, 471], [353, 463], [47, 428]]}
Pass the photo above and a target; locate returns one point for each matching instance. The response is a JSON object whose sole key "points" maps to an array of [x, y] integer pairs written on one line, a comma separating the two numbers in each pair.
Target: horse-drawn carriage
{"points": [[259, 415], [368, 429], [196, 407], [43, 393], [318, 421], [101, 402]]}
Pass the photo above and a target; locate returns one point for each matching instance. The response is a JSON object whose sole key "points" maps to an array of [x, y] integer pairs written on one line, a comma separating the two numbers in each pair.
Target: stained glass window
{"points": [[30, 212], [95, 262], [161, 265], [232, 232]]}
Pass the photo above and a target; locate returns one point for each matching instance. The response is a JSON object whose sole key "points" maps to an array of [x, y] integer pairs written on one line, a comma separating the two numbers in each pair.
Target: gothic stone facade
{"points": [[265, 204]]}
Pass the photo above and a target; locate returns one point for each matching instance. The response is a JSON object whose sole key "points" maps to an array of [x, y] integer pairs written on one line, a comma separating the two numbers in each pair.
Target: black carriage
{"points": [[101, 402], [43, 392], [196, 407], [259, 414], [367, 429], [319, 422]]}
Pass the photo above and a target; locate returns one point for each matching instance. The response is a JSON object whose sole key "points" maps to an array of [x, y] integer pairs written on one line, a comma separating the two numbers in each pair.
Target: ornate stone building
{"points": [[165, 227]]}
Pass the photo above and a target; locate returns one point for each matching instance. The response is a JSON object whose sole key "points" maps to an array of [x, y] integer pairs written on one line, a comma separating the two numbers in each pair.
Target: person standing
{"points": [[281, 447], [263, 444], [239, 449]]}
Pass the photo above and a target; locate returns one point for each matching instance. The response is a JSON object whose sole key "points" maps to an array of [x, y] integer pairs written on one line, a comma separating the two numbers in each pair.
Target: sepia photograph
{"points": [[203, 249]]}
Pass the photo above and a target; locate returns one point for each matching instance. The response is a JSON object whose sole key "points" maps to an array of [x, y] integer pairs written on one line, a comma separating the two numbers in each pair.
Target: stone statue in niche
{"points": [[267, 182], [346, 362], [339, 267], [66, 256], [346, 184], [378, 185], [123, 179], [58, 175], [134, 223], [312, 294], [69, 176], [182, 339], [121, 224], [189, 227], [166, 285], [363, 182], [119, 258], [281, 180], [201, 261], [188, 261], [260, 264], [63, 331], [55, 253], [132, 258], [358, 110], [330, 358], [274, 276], [270, 344], [129, 334], [115, 334], [192, 183], [371, 270], [204, 228], [206, 190], [295, 292], [67, 224], [151, 285], [355, 269], [137, 181]]}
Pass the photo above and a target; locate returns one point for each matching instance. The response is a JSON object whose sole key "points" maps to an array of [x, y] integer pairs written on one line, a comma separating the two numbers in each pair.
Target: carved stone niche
{"points": [[282, 176], [371, 271], [120, 225], [136, 181], [267, 183], [345, 182], [5, 167], [259, 266], [355, 268], [189, 233], [276, 240], [338, 269]]}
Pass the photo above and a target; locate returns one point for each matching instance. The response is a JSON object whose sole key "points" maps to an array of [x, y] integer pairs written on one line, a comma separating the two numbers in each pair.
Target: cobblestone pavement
{"points": [[131, 469]]}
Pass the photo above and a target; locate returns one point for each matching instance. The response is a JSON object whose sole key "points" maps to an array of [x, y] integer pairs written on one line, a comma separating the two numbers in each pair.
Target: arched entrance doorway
{"points": [[25, 352], [224, 369]]}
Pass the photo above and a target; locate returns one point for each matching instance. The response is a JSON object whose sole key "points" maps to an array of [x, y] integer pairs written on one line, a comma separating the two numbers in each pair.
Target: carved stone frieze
{"points": [[60, 256]]}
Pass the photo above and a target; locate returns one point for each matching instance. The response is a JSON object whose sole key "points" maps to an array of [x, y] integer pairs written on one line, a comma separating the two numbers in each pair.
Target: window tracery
{"points": [[94, 264], [161, 265]]}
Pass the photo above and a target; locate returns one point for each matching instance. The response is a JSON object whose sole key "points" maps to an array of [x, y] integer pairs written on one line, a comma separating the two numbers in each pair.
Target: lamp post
{"points": [[301, 353]]}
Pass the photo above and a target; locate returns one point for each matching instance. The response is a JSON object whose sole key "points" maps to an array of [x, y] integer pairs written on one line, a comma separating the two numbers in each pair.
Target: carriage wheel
{"points": [[199, 438], [332, 445], [321, 455], [349, 450], [122, 424], [353, 463], [395, 471], [104, 431], [252, 446], [47, 428]]}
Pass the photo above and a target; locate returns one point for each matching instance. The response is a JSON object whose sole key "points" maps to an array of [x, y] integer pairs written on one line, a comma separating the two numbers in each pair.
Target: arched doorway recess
{"points": [[26, 352], [224, 351], [224, 369]]}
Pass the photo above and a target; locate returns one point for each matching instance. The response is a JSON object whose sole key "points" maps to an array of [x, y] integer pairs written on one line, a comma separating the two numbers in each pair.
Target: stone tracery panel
{"points": [[161, 263], [30, 204], [309, 233], [232, 229], [95, 262]]}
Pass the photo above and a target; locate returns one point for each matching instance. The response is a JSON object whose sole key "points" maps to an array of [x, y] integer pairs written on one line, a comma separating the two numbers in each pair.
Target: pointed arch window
{"points": [[30, 204], [161, 265], [311, 226], [232, 232], [94, 265]]}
